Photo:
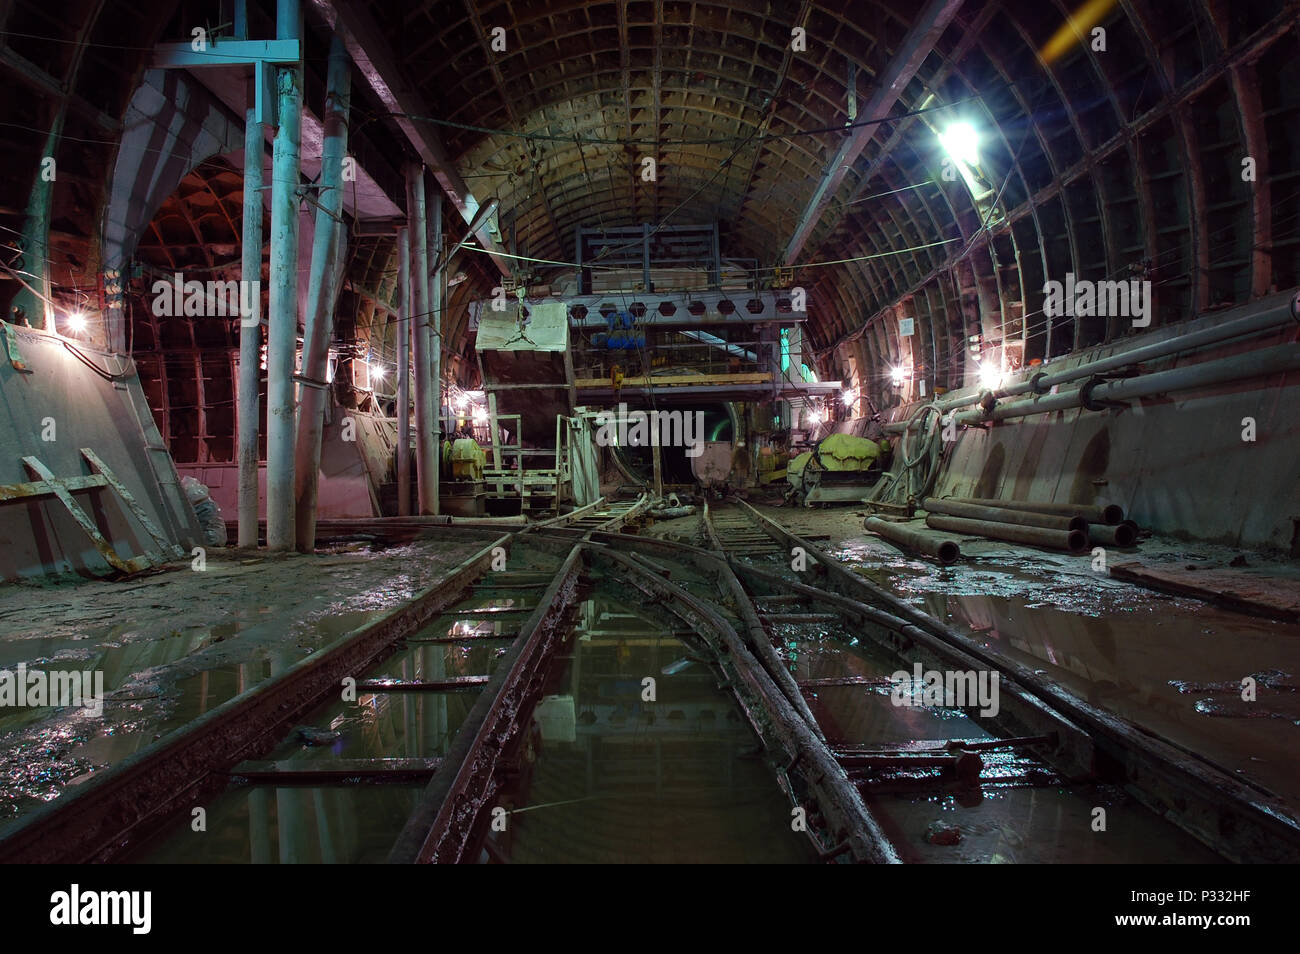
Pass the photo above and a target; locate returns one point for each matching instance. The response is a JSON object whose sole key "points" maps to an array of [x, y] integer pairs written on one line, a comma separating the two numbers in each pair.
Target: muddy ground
{"points": [[1173, 664], [178, 643]]}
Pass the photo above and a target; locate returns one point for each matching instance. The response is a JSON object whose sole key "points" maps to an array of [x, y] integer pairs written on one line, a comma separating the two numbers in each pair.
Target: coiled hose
{"points": [[927, 454]]}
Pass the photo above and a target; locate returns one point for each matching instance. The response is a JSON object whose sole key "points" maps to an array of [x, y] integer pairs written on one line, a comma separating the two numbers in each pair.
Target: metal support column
{"points": [[656, 458], [404, 372], [282, 325], [436, 298], [327, 249], [250, 325], [425, 459], [33, 299]]}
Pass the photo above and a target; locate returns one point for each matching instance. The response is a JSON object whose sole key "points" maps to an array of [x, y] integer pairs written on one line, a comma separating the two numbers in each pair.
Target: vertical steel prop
{"points": [[282, 324], [434, 329], [250, 326], [404, 373], [425, 438], [327, 251]]}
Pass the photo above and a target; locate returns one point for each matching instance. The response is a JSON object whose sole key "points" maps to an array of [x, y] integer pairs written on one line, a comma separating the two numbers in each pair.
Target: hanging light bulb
{"points": [[962, 142], [990, 376]]}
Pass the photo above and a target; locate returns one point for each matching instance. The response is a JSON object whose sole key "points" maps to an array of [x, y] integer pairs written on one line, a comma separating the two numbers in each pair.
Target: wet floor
{"points": [[612, 775], [1019, 812], [1171, 664], [619, 779], [609, 776], [347, 823], [172, 647]]}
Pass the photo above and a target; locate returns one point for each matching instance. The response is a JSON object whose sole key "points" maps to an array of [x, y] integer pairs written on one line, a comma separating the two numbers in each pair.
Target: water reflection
{"points": [[618, 778], [1172, 665]]}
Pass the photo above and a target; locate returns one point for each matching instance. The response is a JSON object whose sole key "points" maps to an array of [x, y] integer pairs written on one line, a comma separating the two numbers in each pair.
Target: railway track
{"points": [[480, 635], [816, 630], [421, 724], [1040, 737]]}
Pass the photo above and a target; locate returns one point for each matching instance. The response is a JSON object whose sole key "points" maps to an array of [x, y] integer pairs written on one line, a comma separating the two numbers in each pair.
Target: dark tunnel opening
{"points": [[711, 422]]}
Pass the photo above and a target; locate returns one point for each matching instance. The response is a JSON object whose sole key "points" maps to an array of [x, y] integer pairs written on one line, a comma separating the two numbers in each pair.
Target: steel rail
{"points": [[1074, 744], [98, 820], [1021, 713], [450, 820], [1239, 820], [854, 830], [445, 825], [760, 641]]}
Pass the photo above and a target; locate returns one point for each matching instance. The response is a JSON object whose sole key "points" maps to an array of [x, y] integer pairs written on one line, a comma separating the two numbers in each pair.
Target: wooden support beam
{"points": [[100, 468], [39, 470], [35, 489]]}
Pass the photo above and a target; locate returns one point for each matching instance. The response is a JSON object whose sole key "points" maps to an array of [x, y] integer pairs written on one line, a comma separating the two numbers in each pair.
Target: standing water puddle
{"points": [[617, 779], [1174, 666]]}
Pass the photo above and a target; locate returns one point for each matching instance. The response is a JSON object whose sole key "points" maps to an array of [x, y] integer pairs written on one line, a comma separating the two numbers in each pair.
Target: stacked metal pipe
{"points": [[1070, 527], [942, 548]]}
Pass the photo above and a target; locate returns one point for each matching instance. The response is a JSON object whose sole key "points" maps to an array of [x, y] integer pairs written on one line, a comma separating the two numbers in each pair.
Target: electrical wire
{"points": [[568, 138]]}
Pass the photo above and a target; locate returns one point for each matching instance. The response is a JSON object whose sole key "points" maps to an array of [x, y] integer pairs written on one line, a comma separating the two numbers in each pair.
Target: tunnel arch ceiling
{"points": [[1104, 163], [1111, 163]]}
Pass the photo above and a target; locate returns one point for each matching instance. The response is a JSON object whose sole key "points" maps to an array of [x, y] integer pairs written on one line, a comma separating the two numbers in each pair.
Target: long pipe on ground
{"points": [[943, 549], [1021, 518], [327, 251], [760, 640], [1102, 513], [1121, 535], [250, 326], [1086, 729], [1260, 317], [1075, 541], [1254, 364], [282, 320]]}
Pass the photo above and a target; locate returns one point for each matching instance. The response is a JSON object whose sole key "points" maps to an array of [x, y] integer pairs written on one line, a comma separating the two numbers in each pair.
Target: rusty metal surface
{"points": [[1241, 821], [336, 771], [97, 408], [1100, 168], [32, 489], [1020, 711], [849, 823], [165, 545], [760, 641], [444, 827], [84, 520]]}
